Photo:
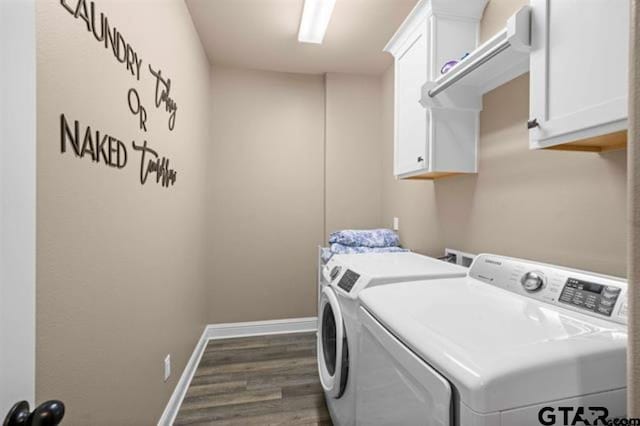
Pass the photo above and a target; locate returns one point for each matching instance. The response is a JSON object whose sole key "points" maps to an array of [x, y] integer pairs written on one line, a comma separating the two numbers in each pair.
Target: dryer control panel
{"points": [[348, 280], [593, 294]]}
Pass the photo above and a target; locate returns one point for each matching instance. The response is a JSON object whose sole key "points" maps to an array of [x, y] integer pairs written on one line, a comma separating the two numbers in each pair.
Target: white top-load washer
{"points": [[344, 277], [514, 343]]}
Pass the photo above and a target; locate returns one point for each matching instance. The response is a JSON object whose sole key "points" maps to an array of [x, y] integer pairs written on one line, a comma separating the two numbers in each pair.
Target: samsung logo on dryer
{"points": [[493, 262]]}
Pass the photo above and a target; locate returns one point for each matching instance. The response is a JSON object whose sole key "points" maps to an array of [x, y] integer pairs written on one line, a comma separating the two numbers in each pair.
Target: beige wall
{"points": [[120, 266], [558, 207], [293, 157], [265, 194], [353, 152]]}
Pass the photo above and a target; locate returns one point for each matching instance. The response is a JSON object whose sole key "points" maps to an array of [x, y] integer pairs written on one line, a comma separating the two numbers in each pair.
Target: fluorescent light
{"points": [[315, 20]]}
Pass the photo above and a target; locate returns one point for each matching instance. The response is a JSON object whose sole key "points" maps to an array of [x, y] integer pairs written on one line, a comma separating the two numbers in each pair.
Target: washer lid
{"points": [[402, 264], [356, 272], [499, 349]]}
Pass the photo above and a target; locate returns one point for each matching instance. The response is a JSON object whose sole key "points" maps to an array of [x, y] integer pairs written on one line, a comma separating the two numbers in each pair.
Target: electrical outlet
{"points": [[396, 224], [167, 367]]}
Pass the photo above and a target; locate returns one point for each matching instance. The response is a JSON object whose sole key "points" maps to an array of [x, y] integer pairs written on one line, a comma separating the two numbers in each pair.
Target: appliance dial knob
{"points": [[335, 271], [532, 281]]}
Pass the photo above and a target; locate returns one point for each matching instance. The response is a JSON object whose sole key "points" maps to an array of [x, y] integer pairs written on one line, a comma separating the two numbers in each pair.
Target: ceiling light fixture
{"points": [[315, 20]]}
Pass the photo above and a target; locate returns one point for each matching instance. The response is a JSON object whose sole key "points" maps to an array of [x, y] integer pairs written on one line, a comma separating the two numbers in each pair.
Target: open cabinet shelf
{"points": [[497, 61], [603, 143], [434, 175]]}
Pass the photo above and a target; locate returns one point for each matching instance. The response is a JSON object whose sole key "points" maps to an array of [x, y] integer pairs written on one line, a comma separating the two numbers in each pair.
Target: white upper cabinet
{"points": [[433, 141], [411, 120], [579, 82]]}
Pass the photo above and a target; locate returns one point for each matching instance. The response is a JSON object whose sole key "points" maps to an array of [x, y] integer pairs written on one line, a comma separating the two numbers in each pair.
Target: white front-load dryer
{"points": [[343, 277]]}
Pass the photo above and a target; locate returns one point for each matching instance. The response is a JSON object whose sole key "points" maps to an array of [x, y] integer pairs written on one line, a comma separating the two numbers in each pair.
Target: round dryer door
{"points": [[333, 350]]}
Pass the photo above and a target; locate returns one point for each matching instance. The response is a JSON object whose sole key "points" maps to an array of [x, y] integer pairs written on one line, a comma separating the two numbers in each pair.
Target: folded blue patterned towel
{"points": [[365, 238]]}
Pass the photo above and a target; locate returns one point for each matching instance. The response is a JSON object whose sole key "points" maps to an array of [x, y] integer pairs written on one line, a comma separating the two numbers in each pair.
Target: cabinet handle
{"points": [[532, 123], [420, 159]]}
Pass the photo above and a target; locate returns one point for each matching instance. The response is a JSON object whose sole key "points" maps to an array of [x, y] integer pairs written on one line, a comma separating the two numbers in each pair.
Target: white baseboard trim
{"points": [[228, 331], [259, 328], [171, 410]]}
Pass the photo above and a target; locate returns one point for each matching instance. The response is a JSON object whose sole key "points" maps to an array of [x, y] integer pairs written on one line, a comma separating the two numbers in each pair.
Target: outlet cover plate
{"points": [[167, 367]]}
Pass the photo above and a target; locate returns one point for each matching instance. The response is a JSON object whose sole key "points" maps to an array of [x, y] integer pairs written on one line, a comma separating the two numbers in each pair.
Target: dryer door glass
{"points": [[329, 346], [344, 372], [332, 345]]}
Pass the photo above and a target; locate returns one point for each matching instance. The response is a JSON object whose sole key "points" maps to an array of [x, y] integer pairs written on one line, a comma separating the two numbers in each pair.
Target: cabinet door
{"points": [[579, 61], [411, 117]]}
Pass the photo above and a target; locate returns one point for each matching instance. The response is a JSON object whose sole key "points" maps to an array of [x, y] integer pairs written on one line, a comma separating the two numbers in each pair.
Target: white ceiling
{"points": [[263, 34]]}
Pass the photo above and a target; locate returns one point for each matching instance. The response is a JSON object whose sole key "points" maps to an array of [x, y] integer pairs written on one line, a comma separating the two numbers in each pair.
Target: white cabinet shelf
{"points": [[497, 61]]}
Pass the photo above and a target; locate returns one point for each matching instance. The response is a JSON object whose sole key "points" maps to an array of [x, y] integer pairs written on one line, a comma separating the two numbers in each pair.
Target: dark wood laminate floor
{"points": [[262, 380]]}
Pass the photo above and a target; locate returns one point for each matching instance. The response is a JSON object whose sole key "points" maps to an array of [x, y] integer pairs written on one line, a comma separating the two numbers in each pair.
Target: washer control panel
{"points": [[590, 296], [348, 280], [589, 293]]}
